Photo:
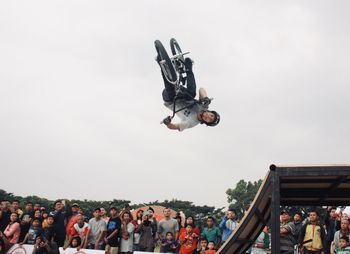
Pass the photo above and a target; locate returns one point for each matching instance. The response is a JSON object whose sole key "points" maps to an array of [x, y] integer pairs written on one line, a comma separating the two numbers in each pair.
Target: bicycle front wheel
{"points": [[165, 62]]}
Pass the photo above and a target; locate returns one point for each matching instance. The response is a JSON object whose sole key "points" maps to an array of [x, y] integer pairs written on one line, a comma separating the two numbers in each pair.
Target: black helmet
{"points": [[216, 118]]}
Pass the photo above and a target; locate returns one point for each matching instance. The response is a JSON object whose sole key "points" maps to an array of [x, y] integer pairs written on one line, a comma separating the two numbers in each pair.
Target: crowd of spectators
{"points": [[108, 229], [315, 235]]}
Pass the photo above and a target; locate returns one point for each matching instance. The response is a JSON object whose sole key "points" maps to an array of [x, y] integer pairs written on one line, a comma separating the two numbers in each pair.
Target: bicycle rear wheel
{"points": [[165, 62], [175, 47]]}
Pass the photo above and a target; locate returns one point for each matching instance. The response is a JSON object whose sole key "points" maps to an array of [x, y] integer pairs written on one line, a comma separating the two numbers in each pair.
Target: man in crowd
{"points": [[60, 215], [166, 225], [15, 208], [5, 214], [343, 231], [26, 220], [211, 232], [287, 232], [228, 224], [298, 223], [332, 223], [312, 236], [113, 231], [98, 230]]}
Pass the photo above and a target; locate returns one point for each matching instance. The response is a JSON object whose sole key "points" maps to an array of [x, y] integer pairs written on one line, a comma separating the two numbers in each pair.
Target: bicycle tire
{"points": [[169, 69], [175, 47]]}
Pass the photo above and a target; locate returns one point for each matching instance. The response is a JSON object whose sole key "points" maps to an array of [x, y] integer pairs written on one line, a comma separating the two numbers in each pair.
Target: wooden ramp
{"points": [[253, 221], [289, 186]]}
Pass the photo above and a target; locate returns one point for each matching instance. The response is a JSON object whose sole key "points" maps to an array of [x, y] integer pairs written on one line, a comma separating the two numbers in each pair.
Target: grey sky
{"points": [[80, 100]]}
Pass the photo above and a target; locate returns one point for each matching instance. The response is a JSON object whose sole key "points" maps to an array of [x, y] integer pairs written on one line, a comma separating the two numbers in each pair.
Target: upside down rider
{"points": [[192, 112]]}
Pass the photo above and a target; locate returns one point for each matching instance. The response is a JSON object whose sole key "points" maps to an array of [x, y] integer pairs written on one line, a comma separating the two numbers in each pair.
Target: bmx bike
{"points": [[174, 70]]}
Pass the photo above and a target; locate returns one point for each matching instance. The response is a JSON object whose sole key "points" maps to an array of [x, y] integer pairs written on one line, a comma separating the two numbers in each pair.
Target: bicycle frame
{"points": [[179, 67]]}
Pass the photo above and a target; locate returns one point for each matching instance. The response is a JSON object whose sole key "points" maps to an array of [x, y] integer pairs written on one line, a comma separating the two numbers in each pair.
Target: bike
{"points": [[174, 70]]}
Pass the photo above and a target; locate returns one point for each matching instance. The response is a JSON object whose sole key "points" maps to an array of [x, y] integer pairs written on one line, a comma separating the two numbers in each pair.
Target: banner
{"points": [[28, 249]]}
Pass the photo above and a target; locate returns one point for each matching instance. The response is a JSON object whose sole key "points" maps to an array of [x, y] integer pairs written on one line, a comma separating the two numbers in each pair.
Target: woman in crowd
{"points": [[137, 223], [127, 233], [13, 229]]}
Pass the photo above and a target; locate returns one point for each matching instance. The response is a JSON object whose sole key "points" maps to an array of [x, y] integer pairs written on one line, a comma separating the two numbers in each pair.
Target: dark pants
{"points": [[169, 90]]}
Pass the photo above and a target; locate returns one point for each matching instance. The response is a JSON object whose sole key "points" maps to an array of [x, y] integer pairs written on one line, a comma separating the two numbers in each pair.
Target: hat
{"points": [[75, 204]]}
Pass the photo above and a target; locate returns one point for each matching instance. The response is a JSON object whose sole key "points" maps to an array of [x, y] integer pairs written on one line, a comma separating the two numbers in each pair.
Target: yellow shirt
{"points": [[313, 232]]}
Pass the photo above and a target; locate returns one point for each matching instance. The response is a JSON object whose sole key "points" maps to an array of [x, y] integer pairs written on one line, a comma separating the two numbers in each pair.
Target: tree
{"points": [[240, 197]]}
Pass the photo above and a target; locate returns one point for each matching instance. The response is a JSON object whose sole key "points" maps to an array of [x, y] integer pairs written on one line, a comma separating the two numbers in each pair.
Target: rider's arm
{"points": [[202, 93], [173, 126]]}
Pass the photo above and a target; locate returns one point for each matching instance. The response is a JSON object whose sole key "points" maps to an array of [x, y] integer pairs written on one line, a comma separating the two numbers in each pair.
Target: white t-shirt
{"points": [[188, 116], [96, 227]]}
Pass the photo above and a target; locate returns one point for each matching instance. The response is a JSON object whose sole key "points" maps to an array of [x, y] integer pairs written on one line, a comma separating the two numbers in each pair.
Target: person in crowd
{"points": [[179, 220], [5, 214], [203, 246], [72, 219], [13, 229], [37, 206], [166, 225], [4, 244], [169, 244], [287, 230], [80, 230], [343, 231], [15, 208], [211, 232], [211, 248], [104, 215], [44, 216], [40, 247], [190, 221], [261, 243], [196, 233], [127, 233], [137, 223], [113, 230], [332, 223], [34, 231], [298, 223], [188, 240], [153, 220], [312, 235], [228, 224], [75, 243], [147, 234], [26, 220], [60, 214], [37, 215], [50, 233], [343, 246], [97, 231]]}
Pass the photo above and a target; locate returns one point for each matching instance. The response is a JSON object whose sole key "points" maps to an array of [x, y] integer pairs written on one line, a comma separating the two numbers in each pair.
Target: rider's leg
{"points": [[169, 91], [191, 82]]}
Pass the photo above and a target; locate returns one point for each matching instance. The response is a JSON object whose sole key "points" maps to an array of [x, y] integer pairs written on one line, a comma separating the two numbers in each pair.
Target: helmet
{"points": [[216, 118]]}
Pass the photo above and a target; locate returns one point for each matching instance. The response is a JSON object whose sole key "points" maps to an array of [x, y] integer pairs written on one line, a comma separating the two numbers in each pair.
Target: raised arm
{"points": [[202, 93]]}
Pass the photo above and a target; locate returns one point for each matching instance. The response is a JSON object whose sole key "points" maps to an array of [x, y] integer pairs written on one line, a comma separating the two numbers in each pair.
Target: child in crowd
{"points": [[34, 231], [168, 244], [343, 246], [211, 248], [203, 246], [188, 240]]}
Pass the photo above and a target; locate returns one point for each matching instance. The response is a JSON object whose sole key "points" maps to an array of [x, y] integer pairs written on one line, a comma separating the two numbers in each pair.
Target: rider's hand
{"points": [[167, 120], [205, 101]]}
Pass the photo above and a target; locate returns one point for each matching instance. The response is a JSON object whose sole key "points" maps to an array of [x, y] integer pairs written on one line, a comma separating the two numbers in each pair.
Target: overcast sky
{"points": [[80, 95]]}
